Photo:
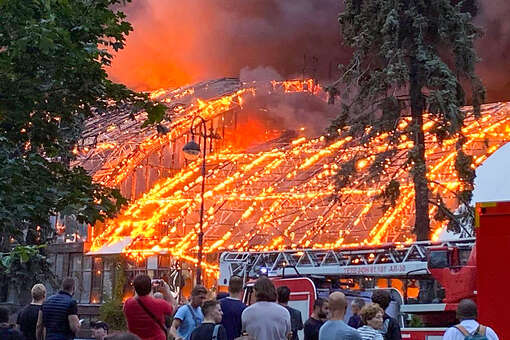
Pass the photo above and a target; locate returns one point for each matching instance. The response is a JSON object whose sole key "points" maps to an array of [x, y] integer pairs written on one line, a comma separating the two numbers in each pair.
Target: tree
{"points": [[53, 55], [21, 267], [111, 310], [410, 57]]}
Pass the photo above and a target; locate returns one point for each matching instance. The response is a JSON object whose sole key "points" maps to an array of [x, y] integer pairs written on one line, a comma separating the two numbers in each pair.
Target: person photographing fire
{"points": [[145, 315]]}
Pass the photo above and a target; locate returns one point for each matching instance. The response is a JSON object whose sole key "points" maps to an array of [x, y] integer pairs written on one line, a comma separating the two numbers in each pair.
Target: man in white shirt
{"points": [[265, 319], [467, 314]]}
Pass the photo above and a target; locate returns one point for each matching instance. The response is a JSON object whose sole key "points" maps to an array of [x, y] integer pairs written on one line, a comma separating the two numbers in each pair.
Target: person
{"points": [[168, 318], [355, 319], [265, 319], [145, 315], [335, 328], [211, 328], [59, 314], [7, 331], [27, 318], [316, 320], [390, 329], [372, 318], [189, 316], [158, 295], [99, 330], [467, 313], [123, 336], [222, 295], [233, 308], [296, 321]]}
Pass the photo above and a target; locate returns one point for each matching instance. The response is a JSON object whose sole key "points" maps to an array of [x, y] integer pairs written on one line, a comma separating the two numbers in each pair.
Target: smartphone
{"points": [[156, 282]]}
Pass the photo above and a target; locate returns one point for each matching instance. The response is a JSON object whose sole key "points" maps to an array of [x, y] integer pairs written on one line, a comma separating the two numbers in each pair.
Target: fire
{"points": [[249, 133], [284, 195]]}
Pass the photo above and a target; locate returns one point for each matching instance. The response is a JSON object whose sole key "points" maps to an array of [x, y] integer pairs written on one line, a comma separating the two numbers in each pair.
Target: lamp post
{"points": [[191, 152]]}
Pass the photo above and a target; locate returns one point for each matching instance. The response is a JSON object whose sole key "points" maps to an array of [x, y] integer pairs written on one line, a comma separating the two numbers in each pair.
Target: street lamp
{"points": [[191, 152]]}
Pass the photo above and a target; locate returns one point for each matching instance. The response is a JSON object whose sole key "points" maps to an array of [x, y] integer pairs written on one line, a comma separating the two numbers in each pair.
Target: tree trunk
{"points": [[419, 172]]}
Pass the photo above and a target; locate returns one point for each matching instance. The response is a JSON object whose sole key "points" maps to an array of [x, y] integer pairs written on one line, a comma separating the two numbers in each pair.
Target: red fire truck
{"points": [[426, 279]]}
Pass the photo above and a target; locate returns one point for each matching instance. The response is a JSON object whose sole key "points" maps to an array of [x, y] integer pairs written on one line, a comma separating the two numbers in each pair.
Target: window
{"points": [[77, 274], [87, 278], [97, 280], [80, 269], [59, 266], [108, 277]]}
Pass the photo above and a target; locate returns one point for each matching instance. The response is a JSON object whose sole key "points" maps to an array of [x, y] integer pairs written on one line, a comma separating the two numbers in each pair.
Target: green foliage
{"points": [[23, 267], [409, 57], [111, 313], [391, 193], [155, 114], [463, 167], [52, 78], [111, 310], [345, 173], [415, 322]]}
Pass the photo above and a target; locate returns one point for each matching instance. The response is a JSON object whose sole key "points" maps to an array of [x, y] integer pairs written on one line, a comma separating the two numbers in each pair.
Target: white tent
{"points": [[492, 182]]}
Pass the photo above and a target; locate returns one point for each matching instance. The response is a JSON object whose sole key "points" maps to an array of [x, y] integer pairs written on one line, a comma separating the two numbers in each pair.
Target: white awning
{"points": [[112, 248]]}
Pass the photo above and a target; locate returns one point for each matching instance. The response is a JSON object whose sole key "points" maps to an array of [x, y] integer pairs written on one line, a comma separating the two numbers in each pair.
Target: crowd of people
{"points": [[153, 314]]}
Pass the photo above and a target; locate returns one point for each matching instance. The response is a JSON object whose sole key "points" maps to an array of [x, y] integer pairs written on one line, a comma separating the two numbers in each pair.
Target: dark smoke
{"points": [[308, 115], [494, 48], [177, 42]]}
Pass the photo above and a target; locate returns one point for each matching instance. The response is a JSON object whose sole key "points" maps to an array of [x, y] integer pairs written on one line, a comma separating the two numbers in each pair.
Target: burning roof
{"points": [[278, 195]]}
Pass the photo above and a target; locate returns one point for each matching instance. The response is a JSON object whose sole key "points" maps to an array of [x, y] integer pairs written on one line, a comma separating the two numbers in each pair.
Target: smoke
{"points": [[260, 73], [494, 48], [300, 112], [180, 42]]}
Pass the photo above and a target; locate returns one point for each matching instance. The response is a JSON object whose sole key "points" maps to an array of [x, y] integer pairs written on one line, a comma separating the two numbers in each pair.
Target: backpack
{"points": [[384, 330], [215, 332], [194, 316], [479, 333]]}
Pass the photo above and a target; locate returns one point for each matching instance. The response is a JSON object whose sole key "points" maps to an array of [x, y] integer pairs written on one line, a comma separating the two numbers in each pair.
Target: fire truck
{"points": [[426, 280]]}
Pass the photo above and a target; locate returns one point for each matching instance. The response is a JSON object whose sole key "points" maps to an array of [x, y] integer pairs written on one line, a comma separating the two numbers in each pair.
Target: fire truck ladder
{"points": [[389, 260]]}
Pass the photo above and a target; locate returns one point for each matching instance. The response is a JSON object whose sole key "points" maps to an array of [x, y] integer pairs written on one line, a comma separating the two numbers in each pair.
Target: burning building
{"points": [[270, 180]]}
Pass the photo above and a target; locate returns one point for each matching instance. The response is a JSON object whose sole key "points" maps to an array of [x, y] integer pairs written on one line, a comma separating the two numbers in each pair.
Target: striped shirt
{"points": [[368, 333]]}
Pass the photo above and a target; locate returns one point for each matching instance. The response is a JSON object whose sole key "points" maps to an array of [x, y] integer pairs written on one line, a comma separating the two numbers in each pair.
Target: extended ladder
{"points": [[389, 260]]}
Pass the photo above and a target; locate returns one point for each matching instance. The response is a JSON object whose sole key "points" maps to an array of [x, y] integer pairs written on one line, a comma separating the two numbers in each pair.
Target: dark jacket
{"points": [[355, 321], [55, 312], [391, 329], [296, 322]]}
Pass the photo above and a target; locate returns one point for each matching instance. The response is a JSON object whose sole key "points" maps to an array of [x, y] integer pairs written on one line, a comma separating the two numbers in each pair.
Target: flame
{"points": [[249, 133]]}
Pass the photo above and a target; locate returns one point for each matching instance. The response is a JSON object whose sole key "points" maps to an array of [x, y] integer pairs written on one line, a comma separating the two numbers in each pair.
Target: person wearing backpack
{"points": [[390, 329], [469, 328], [189, 316], [210, 329]]}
